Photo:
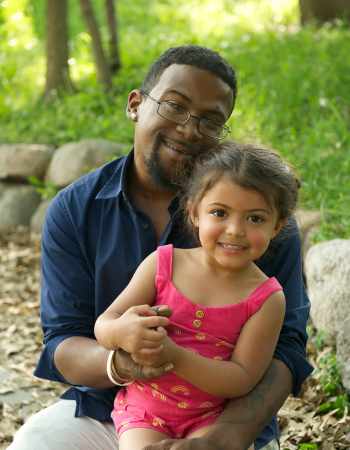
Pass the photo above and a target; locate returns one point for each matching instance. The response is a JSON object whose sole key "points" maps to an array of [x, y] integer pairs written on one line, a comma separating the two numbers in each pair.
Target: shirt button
{"points": [[199, 314], [197, 323]]}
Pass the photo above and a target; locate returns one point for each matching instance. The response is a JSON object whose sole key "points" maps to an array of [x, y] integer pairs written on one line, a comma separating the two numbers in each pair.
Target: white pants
{"points": [[56, 428]]}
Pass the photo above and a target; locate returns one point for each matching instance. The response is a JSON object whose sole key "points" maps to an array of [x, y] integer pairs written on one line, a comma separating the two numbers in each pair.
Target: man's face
{"points": [[164, 150]]}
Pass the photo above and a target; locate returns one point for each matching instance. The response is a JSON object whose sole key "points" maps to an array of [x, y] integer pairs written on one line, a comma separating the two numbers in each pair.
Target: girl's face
{"points": [[235, 224]]}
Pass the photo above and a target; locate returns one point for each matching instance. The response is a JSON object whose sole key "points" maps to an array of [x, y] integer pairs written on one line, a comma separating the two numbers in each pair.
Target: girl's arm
{"points": [[129, 322], [250, 359]]}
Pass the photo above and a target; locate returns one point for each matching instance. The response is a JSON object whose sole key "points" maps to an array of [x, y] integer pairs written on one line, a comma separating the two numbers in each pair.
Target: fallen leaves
{"points": [[21, 394], [20, 335]]}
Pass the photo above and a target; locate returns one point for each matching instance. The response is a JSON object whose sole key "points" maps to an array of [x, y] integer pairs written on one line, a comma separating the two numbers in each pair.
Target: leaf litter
{"points": [[21, 394]]}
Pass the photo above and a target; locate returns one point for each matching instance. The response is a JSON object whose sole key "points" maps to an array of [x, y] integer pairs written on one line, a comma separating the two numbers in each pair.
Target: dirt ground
{"points": [[20, 341]]}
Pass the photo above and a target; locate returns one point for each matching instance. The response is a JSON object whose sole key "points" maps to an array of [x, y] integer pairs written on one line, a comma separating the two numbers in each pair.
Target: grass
{"points": [[294, 84]]}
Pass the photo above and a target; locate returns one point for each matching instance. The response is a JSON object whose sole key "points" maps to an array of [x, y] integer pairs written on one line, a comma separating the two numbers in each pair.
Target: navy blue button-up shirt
{"points": [[93, 240]]}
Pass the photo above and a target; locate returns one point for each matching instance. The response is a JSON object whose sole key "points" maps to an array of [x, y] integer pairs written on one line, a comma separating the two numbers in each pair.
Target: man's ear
{"points": [[134, 101]]}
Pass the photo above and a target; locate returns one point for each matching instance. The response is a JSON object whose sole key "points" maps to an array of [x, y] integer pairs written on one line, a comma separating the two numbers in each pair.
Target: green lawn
{"points": [[294, 84]]}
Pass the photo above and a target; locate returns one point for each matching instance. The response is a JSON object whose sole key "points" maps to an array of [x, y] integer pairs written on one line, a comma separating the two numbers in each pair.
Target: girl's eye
{"points": [[218, 213], [256, 219]]}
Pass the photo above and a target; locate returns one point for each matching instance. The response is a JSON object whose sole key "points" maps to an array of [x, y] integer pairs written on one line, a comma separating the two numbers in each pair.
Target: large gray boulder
{"points": [[327, 269], [77, 158], [17, 205], [37, 220], [343, 351], [19, 161]]}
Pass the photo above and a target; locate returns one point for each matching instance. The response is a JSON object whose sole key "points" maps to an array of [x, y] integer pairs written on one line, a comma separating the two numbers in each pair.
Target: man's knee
{"points": [[56, 428], [39, 431]]}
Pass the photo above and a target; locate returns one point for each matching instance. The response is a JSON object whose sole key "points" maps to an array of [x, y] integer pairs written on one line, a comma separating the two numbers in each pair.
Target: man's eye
{"points": [[218, 212], [175, 107], [256, 219], [210, 124]]}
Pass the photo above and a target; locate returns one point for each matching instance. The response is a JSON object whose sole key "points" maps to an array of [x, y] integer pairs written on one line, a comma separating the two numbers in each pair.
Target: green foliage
{"points": [[330, 377], [46, 189], [294, 84], [333, 396], [307, 446]]}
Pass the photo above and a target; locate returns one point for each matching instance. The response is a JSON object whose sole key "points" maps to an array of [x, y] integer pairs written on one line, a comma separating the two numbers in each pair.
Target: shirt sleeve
{"points": [[291, 347], [67, 286]]}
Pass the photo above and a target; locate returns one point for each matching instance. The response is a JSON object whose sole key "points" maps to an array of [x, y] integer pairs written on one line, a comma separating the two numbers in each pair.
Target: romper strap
{"points": [[165, 262], [261, 294]]}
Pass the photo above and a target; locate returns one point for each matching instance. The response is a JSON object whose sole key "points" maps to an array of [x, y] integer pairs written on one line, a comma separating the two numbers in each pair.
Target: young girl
{"points": [[226, 313]]}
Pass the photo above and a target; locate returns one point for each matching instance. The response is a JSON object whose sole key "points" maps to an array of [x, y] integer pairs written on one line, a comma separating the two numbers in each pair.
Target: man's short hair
{"points": [[192, 55]]}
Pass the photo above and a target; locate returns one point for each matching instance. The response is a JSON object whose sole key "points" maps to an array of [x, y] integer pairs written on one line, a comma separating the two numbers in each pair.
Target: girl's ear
{"points": [[279, 225], [193, 214]]}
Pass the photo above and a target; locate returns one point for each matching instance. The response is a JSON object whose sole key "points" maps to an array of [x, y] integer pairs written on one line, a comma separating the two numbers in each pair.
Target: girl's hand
{"points": [[140, 328], [168, 352]]}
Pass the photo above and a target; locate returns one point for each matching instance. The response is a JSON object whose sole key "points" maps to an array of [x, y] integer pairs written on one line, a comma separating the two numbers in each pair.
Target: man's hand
{"points": [[201, 443], [128, 369]]}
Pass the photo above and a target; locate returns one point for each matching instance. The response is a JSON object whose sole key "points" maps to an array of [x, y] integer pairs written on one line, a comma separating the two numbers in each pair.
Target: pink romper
{"points": [[170, 404]]}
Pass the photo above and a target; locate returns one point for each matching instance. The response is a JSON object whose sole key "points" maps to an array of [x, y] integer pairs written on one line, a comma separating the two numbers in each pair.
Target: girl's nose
{"points": [[235, 228]]}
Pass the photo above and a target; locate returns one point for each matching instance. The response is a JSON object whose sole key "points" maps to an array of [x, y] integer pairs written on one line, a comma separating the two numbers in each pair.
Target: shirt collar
{"points": [[116, 184]]}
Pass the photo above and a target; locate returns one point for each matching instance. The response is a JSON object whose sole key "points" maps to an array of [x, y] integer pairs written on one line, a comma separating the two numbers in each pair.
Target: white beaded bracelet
{"points": [[112, 373]]}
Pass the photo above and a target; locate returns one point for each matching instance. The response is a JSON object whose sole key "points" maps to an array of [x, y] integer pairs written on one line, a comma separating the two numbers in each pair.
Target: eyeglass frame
{"points": [[224, 128]]}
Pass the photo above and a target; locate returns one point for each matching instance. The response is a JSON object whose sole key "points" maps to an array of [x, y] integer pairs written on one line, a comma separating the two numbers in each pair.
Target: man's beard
{"points": [[172, 180]]}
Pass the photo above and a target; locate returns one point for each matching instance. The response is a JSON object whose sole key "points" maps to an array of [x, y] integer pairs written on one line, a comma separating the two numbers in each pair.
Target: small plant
{"points": [[330, 378], [336, 399], [46, 189], [308, 446]]}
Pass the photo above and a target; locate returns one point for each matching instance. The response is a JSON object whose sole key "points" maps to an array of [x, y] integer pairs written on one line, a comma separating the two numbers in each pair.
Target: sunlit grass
{"points": [[294, 84], [217, 18]]}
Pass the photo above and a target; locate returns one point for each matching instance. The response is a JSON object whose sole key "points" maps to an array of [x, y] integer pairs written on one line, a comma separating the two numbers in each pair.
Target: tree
{"points": [[102, 66], [114, 57], [57, 68], [323, 10]]}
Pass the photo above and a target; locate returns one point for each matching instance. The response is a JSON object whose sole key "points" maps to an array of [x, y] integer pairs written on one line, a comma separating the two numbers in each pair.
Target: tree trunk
{"points": [[57, 69], [102, 67], [114, 56], [323, 10]]}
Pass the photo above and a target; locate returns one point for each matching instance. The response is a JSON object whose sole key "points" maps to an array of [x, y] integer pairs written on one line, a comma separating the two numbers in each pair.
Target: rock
{"points": [[327, 269], [19, 161], [17, 205], [75, 159], [343, 352], [38, 217]]}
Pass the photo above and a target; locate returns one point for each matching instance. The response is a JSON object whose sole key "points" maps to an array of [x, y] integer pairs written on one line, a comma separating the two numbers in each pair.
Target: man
{"points": [[100, 228]]}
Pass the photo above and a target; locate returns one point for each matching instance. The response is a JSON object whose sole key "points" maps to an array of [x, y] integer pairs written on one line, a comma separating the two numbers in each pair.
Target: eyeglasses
{"points": [[176, 113]]}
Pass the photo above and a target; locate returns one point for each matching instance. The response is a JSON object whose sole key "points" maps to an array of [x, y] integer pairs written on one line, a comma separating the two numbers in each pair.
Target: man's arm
{"points": [[243, 419], [71, 354]]}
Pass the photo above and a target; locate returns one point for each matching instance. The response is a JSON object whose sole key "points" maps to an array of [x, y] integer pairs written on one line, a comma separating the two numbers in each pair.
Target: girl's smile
{"points": [[235, 225]]}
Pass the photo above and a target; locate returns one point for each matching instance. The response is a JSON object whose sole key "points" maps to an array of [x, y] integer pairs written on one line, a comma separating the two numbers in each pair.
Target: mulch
{"points": [[21, 338]]}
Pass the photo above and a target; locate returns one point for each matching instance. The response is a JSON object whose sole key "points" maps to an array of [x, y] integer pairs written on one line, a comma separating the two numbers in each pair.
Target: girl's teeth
{"points": [[232, 246]]}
